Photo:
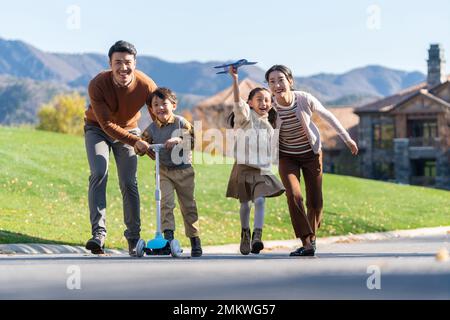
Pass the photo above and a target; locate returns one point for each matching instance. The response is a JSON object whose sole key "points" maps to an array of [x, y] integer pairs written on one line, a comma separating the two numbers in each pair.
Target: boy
{"points": [[176, 171]]}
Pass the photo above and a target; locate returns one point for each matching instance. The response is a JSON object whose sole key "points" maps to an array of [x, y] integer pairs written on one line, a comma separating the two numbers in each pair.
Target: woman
{"points": [[300, 151]]}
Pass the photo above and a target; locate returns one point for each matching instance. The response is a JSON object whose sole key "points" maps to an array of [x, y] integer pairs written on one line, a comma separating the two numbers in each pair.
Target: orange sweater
{"points": [[116, 109]]}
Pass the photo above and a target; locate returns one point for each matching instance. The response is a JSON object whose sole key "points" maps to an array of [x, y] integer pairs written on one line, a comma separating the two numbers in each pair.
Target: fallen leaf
{"points": [[442, 255]]}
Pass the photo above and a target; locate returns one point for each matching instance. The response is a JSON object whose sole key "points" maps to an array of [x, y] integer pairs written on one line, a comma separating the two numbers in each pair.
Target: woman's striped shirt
{"points": [[293, 138]]}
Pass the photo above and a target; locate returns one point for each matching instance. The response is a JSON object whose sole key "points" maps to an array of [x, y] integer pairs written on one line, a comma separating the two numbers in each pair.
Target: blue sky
{"points": [[309, 36]]}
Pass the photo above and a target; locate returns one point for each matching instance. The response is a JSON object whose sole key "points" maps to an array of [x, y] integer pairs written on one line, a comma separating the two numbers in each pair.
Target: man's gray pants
{"points": [[98, 147]]}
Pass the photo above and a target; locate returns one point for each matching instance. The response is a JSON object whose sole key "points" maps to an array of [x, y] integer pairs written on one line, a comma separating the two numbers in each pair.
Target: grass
{"points": [[43, 198]]}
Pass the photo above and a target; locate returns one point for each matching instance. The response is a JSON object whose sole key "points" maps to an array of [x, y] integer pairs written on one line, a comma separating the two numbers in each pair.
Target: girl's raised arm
{"points": [[234, 75], [241, 109]]}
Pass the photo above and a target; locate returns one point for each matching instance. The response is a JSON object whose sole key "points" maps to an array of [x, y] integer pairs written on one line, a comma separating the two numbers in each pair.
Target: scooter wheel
{"points": [[175, 248], [140, 248]]}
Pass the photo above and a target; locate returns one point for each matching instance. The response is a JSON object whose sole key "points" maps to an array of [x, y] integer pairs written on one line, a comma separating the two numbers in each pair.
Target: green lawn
{"points": [[43, 198]]}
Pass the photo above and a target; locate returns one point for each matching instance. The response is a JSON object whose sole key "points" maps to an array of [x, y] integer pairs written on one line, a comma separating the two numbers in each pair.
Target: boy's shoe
{"points": [[196, 247], [132, 247], [257, 244], [96, 244], [313, 243], [168, 235], [245, 241]]}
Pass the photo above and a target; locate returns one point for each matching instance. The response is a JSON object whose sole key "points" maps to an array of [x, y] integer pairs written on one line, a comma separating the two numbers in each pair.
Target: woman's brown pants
{"points": [[305, 223]]}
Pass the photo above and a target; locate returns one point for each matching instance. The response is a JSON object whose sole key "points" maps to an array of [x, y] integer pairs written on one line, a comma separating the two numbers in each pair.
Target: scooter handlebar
{"points": [[156, 147]]}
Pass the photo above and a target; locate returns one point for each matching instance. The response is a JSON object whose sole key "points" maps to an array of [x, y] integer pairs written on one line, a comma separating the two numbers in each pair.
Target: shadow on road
{"points": [[213, 257], [8, 237]]}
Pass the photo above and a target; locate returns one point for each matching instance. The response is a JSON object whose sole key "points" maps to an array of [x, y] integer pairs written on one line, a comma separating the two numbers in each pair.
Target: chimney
{"points": [[436, 65]]}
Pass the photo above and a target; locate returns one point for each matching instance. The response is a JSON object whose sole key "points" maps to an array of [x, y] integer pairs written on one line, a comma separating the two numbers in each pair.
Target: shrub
{"points": [[64, 113]]}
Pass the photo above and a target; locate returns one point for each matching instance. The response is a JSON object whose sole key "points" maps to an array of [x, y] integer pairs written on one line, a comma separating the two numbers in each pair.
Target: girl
{"points": [[300, 149], [251, 179]]}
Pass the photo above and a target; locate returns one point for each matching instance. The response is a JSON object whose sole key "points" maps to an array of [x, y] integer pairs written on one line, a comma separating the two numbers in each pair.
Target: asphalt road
{"points": [[397, 269]]}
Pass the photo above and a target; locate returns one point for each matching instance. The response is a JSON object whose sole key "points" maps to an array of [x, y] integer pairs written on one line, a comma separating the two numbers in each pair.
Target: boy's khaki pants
{"points": [[181, 181]]}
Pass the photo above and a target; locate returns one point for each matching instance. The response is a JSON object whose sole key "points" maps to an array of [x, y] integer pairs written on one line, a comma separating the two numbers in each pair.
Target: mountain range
{"points": [[30, 76]]}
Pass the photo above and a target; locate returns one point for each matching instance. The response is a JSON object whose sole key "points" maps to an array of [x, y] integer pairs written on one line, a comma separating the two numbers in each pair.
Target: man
{"points": [[116, 96]]}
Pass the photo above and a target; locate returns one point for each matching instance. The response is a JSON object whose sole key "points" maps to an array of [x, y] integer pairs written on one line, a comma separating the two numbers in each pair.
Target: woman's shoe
{"points": [[302, 252]]}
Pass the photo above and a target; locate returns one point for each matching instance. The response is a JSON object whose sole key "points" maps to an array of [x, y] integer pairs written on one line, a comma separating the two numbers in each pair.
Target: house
{"points": [[337, 158], [406, 137]]}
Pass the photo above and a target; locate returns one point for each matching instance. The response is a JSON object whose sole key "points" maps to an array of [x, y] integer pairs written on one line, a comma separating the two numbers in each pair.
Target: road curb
{"points": [[36, 248]]}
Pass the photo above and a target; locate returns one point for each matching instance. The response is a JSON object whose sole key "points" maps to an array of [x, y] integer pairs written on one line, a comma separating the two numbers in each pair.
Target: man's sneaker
{"points": [[245, 241], [196, 247], [257, 244], [132, 247], [313, 243], [96, 244]]}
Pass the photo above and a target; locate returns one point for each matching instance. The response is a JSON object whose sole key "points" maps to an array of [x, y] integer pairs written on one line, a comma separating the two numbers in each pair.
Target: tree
{"points": [[64, 113]]}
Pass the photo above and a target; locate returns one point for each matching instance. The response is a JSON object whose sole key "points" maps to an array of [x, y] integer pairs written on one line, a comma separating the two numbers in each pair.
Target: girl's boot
{"points": [[257, 244], [245, 241]]}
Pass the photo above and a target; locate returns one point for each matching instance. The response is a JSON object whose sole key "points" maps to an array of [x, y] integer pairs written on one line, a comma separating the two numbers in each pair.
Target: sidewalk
{"points": [[35, 248]]}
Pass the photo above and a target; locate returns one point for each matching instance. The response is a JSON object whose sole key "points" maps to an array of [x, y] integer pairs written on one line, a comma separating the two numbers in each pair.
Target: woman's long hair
{"points": [[272, 114]]}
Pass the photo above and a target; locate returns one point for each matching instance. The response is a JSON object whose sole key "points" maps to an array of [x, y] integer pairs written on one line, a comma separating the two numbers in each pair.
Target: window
{"points": [[383, 170], [430, 169], [424, 168], [422, 128], [423, 172], [422, 132], [383, 136]]}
